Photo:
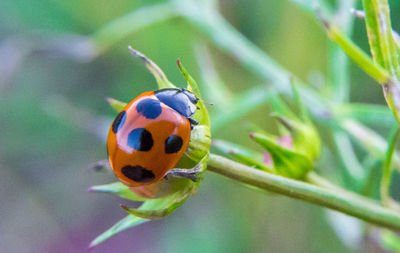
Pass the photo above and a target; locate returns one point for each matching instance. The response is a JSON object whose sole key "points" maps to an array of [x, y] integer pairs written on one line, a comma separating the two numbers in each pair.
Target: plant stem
{"points": [[379, 30], [339, 64], [373, 143], [384, 50], [387, 169], [350, 204], [121, 27], [363, 60], [315, 179]]}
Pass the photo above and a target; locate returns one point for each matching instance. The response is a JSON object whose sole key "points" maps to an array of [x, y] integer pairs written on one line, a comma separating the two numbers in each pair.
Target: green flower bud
{"points": [[292, 155], [286, 162], [298, 125], [304, 136]]}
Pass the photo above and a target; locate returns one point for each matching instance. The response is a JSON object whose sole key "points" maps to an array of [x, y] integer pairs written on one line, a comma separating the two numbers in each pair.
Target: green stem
{"points": [[387, 169], [339, 71], [374, 144], [350, 204], [379, 30], [121, 27], [384, 49], [356, 54]]}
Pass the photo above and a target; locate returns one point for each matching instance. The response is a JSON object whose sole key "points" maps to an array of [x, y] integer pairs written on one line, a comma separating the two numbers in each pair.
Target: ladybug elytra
{"points": [[150, 135]]}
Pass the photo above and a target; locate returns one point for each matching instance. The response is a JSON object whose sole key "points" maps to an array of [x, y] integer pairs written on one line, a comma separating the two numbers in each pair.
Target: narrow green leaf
{"points": [[386, 179], [192, 84], [116, 104], [370, 140], [304, 116], [128, 222], [310, 6], [118, 189], [354, 169], [363, 60], [156, 206], [120, 28], [368, 187], [366, 113], [159, 208], [215, 89], [253, 128], [147, 214], [158, 74], [339, 71], [243, 104], [281, 107], [228, 148]]}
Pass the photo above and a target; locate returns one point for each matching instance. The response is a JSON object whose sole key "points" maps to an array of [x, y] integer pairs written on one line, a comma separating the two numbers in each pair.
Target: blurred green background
{"points": [[54, 121]]}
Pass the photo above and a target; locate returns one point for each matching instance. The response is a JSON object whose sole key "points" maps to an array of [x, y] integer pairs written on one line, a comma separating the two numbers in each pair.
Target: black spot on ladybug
{"points": [[150, 108], [138, 173], [140, 139], [173, 144], [119, 122]]}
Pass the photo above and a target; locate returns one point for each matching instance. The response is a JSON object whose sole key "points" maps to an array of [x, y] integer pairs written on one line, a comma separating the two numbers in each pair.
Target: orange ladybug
{"points": [[149, 136]]}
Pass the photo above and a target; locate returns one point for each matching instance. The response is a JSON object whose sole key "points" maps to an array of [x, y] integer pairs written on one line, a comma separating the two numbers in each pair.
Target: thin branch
{"points": [[363, 60], [341, 201], [122, 27], [339, 71], [379, 30], [384, 50], [387, 169]]}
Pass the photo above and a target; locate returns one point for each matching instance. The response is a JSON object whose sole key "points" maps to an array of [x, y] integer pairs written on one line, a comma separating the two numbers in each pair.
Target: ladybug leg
{"points": [[100, 166], [192, 174], [193, 122]]}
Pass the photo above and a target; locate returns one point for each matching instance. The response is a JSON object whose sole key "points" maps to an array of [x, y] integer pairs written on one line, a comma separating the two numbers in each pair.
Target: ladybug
{"points": [[149, 136]]}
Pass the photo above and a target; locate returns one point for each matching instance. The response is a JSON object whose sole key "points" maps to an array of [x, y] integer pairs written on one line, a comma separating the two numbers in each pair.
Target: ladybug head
{"points": [[193, 99], [179, 99]]}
